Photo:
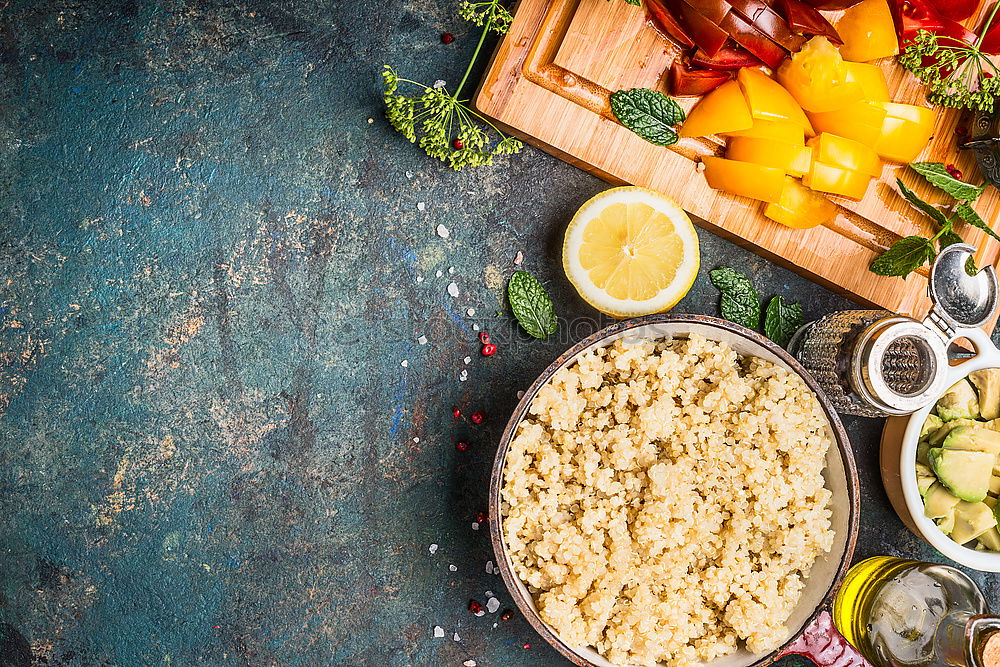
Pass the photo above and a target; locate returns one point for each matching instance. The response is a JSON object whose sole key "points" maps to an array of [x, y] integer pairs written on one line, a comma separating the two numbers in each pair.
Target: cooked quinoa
{"points": [[664, 500]]}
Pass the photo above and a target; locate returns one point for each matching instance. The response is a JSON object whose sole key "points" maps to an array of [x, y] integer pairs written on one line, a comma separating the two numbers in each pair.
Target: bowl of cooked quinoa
{"points": [[673, 490]]}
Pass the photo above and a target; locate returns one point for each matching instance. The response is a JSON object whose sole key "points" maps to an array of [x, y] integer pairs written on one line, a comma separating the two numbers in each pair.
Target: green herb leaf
{"points": [[649, 113], [967, 213], [938, 176], [531, 304], [781, 320], [740, 303], [918, 203], [637, 3], [957, 75], [906, 255]]}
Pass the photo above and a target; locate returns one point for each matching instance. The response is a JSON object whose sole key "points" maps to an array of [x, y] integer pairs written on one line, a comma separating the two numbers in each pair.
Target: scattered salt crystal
{"points": [[520, 395], [422, 340], [467, 360], [420, 279], [492, 605], [494, 626], [456, 637], [442, 231], [421, 206], [463, 376], [404, 363], [453, 568], [440, 83], [438, 274], [519, 257], [451, 270], [475, 525], [416, 440], [488, 594], [438, 631], [470, 312], [489, 567], [409, 174], [469, 663], [452, 289], [475, 327], [432, 548], [480, 613]]}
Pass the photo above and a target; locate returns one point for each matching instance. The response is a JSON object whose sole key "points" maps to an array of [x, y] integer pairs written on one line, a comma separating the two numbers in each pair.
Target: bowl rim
{"points": [[840, 437], [983, 561]]}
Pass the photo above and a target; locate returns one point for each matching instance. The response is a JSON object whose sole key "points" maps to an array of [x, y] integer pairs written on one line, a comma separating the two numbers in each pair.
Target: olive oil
{"points": [[903, 613]]}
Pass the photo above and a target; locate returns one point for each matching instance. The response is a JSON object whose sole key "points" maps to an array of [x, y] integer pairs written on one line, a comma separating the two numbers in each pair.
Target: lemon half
{"points": [[630, 251]]}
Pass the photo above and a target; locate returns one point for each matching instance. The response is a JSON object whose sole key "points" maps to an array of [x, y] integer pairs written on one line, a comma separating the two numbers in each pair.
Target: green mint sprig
{"points": [[741, 304], [649, 113], [912, 252], [447, 128], [531, 304]]}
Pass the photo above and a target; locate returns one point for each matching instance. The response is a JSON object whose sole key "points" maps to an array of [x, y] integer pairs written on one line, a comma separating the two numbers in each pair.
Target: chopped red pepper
{"points": [[804, 19], [831, 5], [687, 82], [665, 22], [956, 10], [729, 57]]}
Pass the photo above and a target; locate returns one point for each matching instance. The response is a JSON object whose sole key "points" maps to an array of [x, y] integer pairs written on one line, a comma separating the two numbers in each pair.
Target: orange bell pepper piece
{"points": [[768, 100], [722, 110], [744, 178], [868, 31], [846, 154], [799, 207], [817, 78]]}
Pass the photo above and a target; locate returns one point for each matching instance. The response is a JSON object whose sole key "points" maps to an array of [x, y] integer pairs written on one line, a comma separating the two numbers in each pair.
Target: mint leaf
{"points": [[531, 305], [966, 212], [906, 255], [938, 176], [649, 113], [782, 320], [740, 303], [922, 206]]}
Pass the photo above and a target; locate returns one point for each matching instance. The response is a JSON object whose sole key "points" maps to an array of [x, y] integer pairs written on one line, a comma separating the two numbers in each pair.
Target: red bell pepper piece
{"points": [[832, 5], [703, 31], [753, 40], [684, 81], [956, 10], [804, 19], [667, 24], [911, 16], [991, 36], [729, 57]]}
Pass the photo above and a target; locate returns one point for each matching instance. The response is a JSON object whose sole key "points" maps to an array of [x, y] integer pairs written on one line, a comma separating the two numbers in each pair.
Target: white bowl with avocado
{"points": [[950, 463]]}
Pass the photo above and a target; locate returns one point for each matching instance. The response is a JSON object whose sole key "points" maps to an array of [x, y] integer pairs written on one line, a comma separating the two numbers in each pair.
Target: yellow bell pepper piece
{"points": [[906, 131], [802, 163], [871, 79], [744, 178], [763, 152], [868, 31], [768, 100], [846, 154], [861, 121], [722, 110], [799, 207], [782, 131], [817, 77], [837, 181]]}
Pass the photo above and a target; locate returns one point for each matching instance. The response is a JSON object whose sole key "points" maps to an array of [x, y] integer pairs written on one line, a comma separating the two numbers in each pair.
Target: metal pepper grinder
{"points": [[874, 363]]}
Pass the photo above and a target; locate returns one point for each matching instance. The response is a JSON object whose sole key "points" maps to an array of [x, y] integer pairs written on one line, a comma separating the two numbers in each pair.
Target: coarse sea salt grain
{"points": [[453, 289], [469, 663], [489, 567], [432, 548], [438, 274], [467, 360], [420, 279], [488, 594], [451, 269], [519, 257], [438, 631], [520, 395], [475, 327], [456, 637], [475, 526], [421, 206], [442, 231], [404, 363], [416, 440], [422, 340], [492, 605], [409, 174], [463, 376], [453, 568], [470, 312]]}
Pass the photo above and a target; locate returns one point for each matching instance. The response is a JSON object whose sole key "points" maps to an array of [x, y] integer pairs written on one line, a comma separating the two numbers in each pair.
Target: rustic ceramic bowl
{"points": [[809, 623], [899, 458]]}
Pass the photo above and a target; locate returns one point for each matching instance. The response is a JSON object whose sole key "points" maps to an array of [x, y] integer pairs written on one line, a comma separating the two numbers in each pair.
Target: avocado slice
{"points": [[987, 382], [971, 521], [931, 424], [990, 539], [925, 477], [966, 474], [947, 523], [939, 502], [973, 439], [959, 402], [938, 436]]}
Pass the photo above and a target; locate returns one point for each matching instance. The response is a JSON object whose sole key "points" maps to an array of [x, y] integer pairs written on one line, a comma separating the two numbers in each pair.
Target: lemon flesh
{"points": [[630, 251]]}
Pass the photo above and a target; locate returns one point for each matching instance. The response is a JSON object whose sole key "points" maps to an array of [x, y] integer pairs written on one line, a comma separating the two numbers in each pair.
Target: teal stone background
{"points": [[210, 245]]}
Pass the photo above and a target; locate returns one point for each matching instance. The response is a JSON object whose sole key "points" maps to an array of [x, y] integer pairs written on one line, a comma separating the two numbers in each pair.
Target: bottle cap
{"points": [[989, 654]]}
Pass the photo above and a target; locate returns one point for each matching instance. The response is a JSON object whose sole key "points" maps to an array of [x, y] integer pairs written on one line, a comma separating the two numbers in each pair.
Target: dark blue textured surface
{"points": [[208, 281]]}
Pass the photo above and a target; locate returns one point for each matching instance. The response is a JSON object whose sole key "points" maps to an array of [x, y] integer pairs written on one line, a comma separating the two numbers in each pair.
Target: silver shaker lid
{"points": [[899, 364]]}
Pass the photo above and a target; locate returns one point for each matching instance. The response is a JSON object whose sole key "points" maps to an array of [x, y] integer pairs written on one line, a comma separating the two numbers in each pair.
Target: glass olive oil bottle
{"points": [[903, 613]]}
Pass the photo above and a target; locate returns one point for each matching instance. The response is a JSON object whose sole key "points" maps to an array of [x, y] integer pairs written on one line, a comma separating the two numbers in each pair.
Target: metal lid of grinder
{"points": [[899, 364]]}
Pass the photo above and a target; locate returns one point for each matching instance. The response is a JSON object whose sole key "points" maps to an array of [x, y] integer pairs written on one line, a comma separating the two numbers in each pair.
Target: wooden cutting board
{"points": [[549, 82]]}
